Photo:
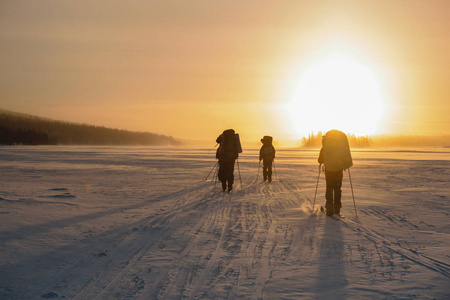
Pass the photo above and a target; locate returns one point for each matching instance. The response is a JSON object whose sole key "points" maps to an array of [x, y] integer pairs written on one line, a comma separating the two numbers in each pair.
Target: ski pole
{"points": [[351, 185], [318, 176], [240, 179], [211, 171]]}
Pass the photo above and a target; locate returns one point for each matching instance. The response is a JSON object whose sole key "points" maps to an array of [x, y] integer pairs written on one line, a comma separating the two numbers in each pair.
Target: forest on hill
{"points": [[22, 129]]}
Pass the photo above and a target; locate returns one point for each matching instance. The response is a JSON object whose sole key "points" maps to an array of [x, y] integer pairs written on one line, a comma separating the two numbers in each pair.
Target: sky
{"points": [[191, 69]]}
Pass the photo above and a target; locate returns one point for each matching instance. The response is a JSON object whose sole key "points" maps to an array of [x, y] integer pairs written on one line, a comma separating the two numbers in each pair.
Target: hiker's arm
{"points": [[320, 159]]}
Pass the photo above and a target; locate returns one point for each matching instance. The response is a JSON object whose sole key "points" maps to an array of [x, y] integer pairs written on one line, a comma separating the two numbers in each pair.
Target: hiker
{"points": [[227, 153], [336, 157], [267, 155]]}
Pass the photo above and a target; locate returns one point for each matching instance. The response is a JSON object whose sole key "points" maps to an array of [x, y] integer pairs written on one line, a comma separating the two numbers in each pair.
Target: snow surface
{"points": [[142, 223]]}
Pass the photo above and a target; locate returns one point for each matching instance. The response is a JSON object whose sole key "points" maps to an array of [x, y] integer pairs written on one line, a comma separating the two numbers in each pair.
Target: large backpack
{"points": [[229, 145], [267, 151], [336, 151], [267, 139]]}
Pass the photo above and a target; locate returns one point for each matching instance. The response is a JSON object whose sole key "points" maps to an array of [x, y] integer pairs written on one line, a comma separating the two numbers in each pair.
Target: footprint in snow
{"points": [[63, 196], [49, 295], [101, 254]]}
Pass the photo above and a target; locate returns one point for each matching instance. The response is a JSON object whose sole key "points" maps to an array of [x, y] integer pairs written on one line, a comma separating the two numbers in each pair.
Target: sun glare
{"points": [[337, 92]]}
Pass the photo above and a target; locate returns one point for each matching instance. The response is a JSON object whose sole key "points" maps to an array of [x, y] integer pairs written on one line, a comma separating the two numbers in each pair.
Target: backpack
{"points": [[267, 150], [336, 151], [267, 139], [229, 145]]}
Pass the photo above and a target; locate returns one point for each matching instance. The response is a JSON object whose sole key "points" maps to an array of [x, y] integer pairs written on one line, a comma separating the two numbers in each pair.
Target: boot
{"points": [[329, 212]]}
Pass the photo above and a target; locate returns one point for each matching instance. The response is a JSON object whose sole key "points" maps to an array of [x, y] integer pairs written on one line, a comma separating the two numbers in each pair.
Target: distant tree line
{"points": [[18, 129], [13, 136], [315, 141]]}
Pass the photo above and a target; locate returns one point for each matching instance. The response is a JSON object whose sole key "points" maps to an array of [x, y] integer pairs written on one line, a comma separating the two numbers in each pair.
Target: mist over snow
{"points": [[85, 222]]}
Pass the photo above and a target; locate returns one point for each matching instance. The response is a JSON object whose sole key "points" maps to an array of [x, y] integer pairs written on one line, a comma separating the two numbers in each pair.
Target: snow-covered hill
{"points": [[141, 223]]}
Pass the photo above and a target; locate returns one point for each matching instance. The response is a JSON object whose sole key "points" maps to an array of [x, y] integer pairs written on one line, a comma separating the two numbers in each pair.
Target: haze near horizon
{"points": [[191, 69]]}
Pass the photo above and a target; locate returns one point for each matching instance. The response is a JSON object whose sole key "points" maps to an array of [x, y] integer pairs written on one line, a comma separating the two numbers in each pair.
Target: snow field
{"points": [[141, 223]]}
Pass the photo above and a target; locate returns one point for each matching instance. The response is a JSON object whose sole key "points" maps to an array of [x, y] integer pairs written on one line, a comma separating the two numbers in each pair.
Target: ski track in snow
{"points": [[382, 242], [262, 241]]}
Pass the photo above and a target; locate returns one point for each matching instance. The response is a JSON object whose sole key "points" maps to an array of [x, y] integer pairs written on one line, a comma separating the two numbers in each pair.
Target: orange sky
{"points": [[191, 69]]}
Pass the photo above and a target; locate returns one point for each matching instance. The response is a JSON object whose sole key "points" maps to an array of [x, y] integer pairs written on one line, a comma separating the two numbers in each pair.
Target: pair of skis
{"points": [[335, 216]]}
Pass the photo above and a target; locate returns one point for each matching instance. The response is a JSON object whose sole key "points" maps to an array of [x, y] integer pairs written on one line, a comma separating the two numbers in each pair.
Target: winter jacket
{"points": [[267, 152]]}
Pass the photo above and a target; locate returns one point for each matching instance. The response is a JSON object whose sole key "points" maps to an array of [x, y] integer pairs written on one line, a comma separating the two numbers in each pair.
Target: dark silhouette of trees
{"points": [[315, 141], [20, 129], [359, 141], [13, 136]]}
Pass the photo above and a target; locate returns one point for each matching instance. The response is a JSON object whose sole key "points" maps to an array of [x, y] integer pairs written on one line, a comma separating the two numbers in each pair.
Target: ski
{"points": [[338, 217], [335, 216]]}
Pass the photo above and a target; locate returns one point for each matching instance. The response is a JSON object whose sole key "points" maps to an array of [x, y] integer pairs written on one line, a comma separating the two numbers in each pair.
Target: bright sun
{"points": [[337, 92]]}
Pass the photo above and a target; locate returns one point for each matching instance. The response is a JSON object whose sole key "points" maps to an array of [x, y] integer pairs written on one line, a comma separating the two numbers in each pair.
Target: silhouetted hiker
{"points": [[336, 157], [227, 153], [267, 155]]}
